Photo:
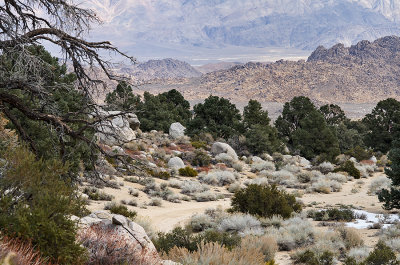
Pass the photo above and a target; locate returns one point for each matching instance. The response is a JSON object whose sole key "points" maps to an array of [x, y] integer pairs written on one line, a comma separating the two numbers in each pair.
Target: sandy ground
{"points": [[169, 215]]}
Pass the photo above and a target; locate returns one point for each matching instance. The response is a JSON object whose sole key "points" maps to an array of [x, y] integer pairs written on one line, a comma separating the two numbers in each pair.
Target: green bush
{"points": [[184, 238], [359, 153], [382, 254], [201, 159], [199, 144], [333, 214], [96, 195], [349, 167], [264, 201], [159, 174], [310, 258], [36, 201], [120, 209], [188, 172]]}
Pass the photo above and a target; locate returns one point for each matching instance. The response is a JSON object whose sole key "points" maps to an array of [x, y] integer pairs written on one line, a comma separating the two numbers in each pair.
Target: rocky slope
{"points": [[138, 25], [363, 73], [158, 69]]}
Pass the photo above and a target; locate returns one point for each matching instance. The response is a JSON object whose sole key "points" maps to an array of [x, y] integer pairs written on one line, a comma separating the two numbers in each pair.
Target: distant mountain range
{"points": [[363, 73], [147, 26]]}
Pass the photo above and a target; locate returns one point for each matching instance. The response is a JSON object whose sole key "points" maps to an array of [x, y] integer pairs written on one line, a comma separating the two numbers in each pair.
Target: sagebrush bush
{"points": [[378, 184], [205, 196], [96, 195], [293, 233], [265, 201], [155, 202], [191, 187], [201, 159], [240, 223], [262, 165], [218, 178], [358, 254], [257, 181], [326, 167], [188, 172], [201, 222]]}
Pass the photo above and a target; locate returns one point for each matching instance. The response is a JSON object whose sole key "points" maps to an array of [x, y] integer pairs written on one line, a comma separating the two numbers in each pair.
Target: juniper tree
{"points": [[30, 85]]}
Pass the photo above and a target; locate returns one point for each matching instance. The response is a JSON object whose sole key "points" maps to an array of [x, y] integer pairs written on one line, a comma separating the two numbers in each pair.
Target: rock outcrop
{"points": [[218, 148], [176, 130], [119, 129], [129, 237], [176, 163]]}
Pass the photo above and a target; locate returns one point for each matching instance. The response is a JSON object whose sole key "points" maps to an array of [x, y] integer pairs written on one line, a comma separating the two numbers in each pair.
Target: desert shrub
{"points": [[175, 198], [274, 221], [293, 233], [305, 176], [187, 172], [201, 159], [218, 178], [238, 166], [324, 184], [265, 201], [133, 192], [257, 181], [234, 187], [337, 177], [358, 254], [268, 245], [240, 223], [225, 158], [96, 195], [262, 165], [201, 222], [228, 240], [174, 183], [213, 253], [205, 196], [115, 208], [155, 202], [326, 167], [107, 246], [36, 201], [308, 257], [333, 214], [378, 184], [283, 177], [190, 187], [349, 167]]}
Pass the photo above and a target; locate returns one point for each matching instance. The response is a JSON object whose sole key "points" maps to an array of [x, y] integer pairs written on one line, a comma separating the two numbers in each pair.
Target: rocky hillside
{"points": [[158, 69], [363, 73]]}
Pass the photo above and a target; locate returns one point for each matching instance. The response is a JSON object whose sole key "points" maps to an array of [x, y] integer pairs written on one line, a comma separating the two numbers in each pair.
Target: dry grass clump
{"points": [[155, 202], [263, 181], [267, 244], [350, 236], [213, 254], [326, 167], [324, 184], [283, 177], [16, 252], [234, 187]]}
